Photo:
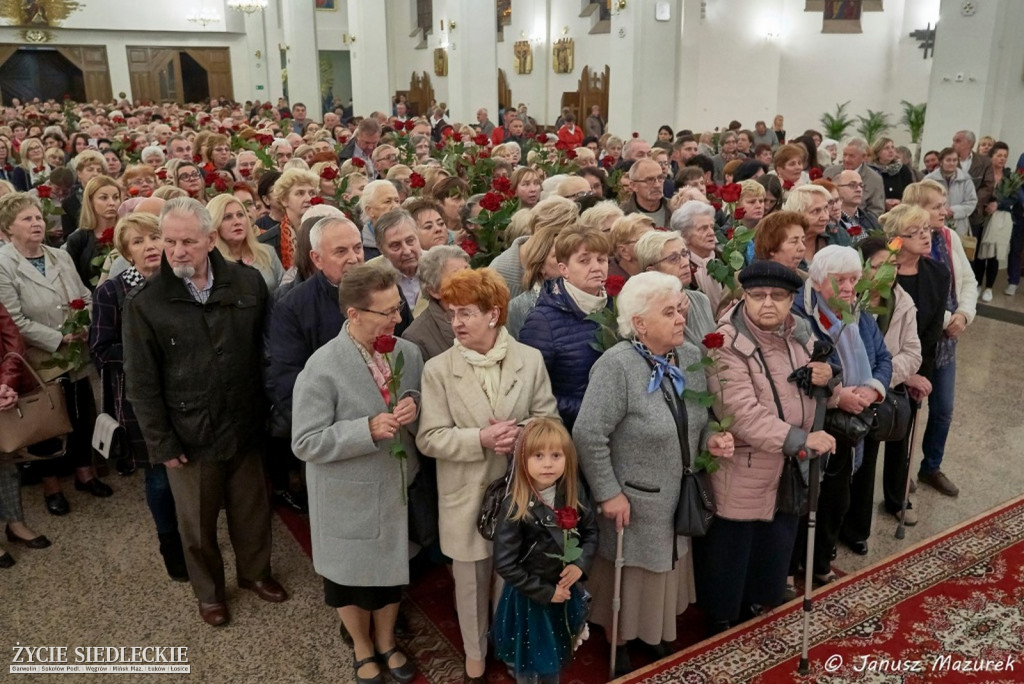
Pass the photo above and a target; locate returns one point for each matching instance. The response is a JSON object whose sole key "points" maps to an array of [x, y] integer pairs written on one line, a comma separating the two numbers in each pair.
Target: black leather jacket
{"points": [[521, 547]]}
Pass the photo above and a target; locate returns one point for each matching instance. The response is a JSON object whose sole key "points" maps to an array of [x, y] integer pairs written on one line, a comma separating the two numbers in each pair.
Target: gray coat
{"points": [[626, 436], [358, 522]]}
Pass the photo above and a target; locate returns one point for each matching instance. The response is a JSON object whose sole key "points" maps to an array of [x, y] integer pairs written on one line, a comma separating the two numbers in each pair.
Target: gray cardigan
{"points": [[358, 522], [628, 443]]}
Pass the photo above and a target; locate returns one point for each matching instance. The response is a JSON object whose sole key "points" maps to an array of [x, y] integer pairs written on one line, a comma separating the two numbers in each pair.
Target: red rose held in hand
{"points": [[814, 173], [711, 190], [44, 191], [77, 304], [481, 139], [854, 231], [329, 173], [107, 238], [731, 192], [502, 184], [713, 340], [613, 286], [491, 202], [384, 344], [739, 213], [567, 518], [358, 163], [608, 162], [469, 246], [542, 138], [316, 200], [787, 185], [417, 181]]}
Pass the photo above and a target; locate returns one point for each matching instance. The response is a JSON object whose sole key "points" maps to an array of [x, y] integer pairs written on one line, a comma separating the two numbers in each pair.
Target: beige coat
{"points": [[901, 338], [454, 410]]}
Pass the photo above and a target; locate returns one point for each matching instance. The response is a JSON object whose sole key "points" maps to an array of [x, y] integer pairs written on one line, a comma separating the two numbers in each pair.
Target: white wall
{"points": [[403, 56]]}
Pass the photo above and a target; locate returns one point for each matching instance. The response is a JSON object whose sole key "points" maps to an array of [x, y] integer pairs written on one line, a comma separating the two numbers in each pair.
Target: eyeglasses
{"points": [[653, 179], [462, 315], [853, 184], [580, 195], [390, 313], [189, 176], [917, 234], [832, 203], [675, 257], [777, 296]]}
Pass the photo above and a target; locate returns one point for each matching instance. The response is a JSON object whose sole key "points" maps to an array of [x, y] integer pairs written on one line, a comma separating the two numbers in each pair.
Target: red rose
{"points": [[717, 206], [439, 146], [570, 153], [208, 166], [542, 138], [480, 139], [329, 173], [711, 190], [714, 340], [731, 192], [503, 185], [107, 237], [161, 173], [211, 177], [39, 169], [567, 518], [491, 202], [265, 140], [77, 304], [739, 213], [410, 124], [358, 163], [196, 158], [267, 106], [286, 115], [316, 200], [219, 185], [561, 146], [814, 173], [854, 231], [613, 286], [469, 246], [608, 162], [416, 180], [635, 134], [384, 344], [134, 192], [729, 233], [484, 154], [44, 191], [245, 172], [787, 185], [457, 137], [236, 127]]}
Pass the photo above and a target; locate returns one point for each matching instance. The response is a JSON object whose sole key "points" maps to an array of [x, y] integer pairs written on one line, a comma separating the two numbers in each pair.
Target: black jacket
{"points": [[521, 547], [72, 206], [194, 371]]}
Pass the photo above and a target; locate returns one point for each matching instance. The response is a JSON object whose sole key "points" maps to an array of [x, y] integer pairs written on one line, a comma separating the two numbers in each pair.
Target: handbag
{"points": [[108, 435], [490, 507], [695, 510], [791, 494], [39, 415], [423, 504], [848, 426], [891, 416]]}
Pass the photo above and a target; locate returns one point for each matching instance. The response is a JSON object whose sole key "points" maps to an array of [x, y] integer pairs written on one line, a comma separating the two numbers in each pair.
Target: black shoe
{"points": [[174, 556], [402, 674], [294, 502], [94, 487], [356, 664], [124, 466], [719, 626], [835, 552], [38, 542], [858, 547], [623, 666], [6, 560], [57, 504], [659, 650]]}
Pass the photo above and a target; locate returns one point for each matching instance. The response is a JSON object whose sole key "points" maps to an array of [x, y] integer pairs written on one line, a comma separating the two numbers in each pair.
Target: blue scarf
{"points": [[660, 366]]}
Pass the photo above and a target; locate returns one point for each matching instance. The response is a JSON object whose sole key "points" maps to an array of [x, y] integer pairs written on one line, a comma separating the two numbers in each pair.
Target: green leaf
{"points": [[708, 400], [572, 551], [714, 426], [399, 364], [694, 367], [705, 461], [692, 395], [736, 261], [727, 422]]}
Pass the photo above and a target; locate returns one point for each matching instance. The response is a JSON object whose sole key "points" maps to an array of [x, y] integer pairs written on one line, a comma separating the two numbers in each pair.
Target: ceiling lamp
{"points": [[247, 6]]}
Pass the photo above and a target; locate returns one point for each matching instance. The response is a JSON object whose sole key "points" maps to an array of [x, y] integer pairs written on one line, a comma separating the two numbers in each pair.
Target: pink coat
{"points": [[745, 485]]}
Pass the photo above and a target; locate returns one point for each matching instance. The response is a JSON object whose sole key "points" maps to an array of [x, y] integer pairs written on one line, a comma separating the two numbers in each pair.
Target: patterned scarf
{"points": [[132, 277], [378, 366], [287, 243], [660, 366]]}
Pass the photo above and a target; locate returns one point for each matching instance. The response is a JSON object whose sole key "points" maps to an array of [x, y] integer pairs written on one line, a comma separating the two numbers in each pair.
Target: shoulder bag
{"points": [[39, 415], [108, 435], [791, 495], [695, 510], [891, 416]]}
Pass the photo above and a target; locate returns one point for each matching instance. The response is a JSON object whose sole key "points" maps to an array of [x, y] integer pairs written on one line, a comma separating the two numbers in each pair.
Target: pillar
{"points": [[472, 59], [371, 91], [303, 61], [258, 67], [273, 39]]}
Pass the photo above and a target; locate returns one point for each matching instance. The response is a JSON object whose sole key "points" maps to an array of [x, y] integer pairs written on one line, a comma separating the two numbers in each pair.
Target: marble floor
{"points": [[102, 582]]}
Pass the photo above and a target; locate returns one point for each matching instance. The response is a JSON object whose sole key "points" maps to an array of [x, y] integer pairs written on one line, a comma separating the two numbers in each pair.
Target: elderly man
{"points": [[193, 362], [281, 152], [634, 149], [384, 157], [855, 155], [851, 194], [362, 145], [762, 136], [647, 180], [979, 168], [245, 165], [179, 147], [485, 125], [330, 121], [398, 239]]}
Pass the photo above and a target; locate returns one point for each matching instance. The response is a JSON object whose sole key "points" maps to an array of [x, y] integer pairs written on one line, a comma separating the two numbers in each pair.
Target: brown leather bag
{"points": [[39, 415]]}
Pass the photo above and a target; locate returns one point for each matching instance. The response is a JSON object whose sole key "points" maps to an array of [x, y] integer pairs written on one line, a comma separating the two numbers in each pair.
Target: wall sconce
{"points": [[346, 38], [258, 54], [451, 25], [565, 30], [620, 4], [283, 46]]}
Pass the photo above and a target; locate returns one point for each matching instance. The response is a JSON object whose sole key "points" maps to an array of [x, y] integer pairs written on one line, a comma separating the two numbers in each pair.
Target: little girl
{"points": [[542, 610]]}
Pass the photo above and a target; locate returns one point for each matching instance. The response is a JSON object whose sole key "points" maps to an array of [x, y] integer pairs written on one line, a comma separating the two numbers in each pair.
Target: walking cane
{"points": [[901, 530], [616, 600]]}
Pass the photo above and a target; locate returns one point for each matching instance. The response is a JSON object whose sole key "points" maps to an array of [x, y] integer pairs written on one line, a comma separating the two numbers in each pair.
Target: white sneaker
{"points": [[1010, 290], [986, 296]]}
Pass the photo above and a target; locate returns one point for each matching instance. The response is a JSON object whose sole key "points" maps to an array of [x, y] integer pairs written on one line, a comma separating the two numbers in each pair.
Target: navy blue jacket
{"points": [[559, 330]]}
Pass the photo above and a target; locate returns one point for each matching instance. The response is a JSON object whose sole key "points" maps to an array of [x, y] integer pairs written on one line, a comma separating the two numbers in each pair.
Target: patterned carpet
{"points": [[951, 604]]}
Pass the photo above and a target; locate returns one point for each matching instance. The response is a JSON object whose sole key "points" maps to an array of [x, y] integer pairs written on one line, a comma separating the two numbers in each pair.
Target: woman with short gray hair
{"points": [[431, 330], [666, 252], [628, 437], [695, 221]]}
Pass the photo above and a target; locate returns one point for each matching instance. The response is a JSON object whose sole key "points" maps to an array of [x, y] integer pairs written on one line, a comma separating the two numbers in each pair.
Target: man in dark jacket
{"points": [[193, 365]]}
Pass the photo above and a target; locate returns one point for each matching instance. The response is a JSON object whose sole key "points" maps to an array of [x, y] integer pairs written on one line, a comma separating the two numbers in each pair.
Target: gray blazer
{"points": [[431, 331], [358, 522], [628, 443]]}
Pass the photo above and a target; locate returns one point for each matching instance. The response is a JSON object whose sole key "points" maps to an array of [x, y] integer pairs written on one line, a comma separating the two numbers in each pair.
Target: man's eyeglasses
{"points": [[853, 184], [653, 179], [390, 313]]}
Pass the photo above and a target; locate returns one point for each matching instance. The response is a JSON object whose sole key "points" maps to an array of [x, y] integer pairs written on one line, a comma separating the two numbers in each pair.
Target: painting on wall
{"points": [[37, 12], [440, 62], [326, 5], [564, 51], [523, 52]]}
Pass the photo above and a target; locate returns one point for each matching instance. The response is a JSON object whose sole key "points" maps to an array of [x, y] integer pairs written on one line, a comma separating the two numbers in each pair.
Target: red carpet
{"points": [[949, 604]]}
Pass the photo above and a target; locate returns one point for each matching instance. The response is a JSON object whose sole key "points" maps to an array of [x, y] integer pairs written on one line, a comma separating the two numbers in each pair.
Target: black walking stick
{"points": [[901, 529]]}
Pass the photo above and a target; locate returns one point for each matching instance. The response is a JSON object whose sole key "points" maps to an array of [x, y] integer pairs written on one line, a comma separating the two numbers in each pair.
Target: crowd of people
{"points": [[492, 346]]}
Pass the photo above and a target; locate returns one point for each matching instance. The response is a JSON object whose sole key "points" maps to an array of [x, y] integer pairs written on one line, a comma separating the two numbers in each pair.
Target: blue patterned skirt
{"points": [[538, 639]]}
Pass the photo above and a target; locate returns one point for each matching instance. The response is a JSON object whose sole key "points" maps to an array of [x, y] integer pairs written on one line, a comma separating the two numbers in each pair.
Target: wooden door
{"points": [[155, 74], [217, 62], [92, 60]]}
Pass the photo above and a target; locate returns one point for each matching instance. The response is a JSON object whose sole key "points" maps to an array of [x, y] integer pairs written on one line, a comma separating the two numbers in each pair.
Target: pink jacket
{"points": [[746, 484]]}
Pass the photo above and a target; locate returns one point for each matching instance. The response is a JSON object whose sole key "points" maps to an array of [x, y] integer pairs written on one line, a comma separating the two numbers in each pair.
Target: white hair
{"points": [[685, 216], [316, 233], [370, 191], [650, 245], [799, 199], [151, 150], [832, 260], [860, 143], [186, 206], [550, 185], [432, 263], [638, 294], [323, 211]]}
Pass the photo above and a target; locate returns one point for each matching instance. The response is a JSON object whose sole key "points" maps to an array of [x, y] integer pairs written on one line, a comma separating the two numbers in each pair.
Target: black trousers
{"points": [[282, 465], [857, 524], [985, 270], [833, 503]]}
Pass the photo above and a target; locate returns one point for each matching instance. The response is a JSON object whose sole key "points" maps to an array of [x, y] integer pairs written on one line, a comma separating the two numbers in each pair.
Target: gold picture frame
{"points": [[523, 53], [564, 54], [440, 62]]}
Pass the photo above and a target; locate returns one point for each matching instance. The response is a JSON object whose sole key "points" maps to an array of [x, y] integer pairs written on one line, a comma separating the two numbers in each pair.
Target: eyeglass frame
{"points": [[675, 257], [386, 314]]}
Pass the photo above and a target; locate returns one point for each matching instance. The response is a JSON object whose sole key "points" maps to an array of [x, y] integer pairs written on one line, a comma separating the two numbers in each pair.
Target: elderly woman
{"points": [[430, 225], [237, 241], [344, 428], [431, 330], [559, 326], [539, 265], [601, 216], [12, 381], [137, 237], [153, 156], [100, 201], [780, 237], [788, 164], [959, 308], [626, 231], [139, 180], [526, 182], [742, 563], [899, 325], [474, 397], [860, 351], [895, 176], [37, 286], [293, 192], [961, 196], [695, 221], [666, 252], [811, 201], [378, 198], [628, 437]]}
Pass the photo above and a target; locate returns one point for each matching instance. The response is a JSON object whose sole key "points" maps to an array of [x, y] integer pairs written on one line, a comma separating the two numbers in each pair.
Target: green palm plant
{"points": [[873, 125], [835, 125], [913, 119]]}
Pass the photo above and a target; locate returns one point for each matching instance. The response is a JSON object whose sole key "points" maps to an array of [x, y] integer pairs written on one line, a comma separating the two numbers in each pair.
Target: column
{"points": [[273, 39], [299, 28], [256, 43], [472, 59], [371, 90]]}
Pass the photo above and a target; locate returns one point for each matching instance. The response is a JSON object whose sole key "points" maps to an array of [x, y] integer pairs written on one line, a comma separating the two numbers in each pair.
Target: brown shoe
{"points": [[267, 589], [940, 482], [214, 614]]}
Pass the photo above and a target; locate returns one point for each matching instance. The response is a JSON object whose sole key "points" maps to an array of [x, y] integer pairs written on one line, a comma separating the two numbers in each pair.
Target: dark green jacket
{"points": [[194, 371]]}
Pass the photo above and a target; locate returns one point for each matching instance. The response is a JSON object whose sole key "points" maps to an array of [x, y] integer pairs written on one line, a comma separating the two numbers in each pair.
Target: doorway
{"points": [[40, 72], [173, 74]]}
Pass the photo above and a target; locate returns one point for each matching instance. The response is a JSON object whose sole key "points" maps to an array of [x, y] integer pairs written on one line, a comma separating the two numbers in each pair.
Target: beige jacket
{"points": [[901, 338], [454, 410]]}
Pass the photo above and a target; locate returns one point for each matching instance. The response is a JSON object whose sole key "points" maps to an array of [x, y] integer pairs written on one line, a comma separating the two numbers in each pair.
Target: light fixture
{"points": [[203, 17], [247, 6], [451, 25]]}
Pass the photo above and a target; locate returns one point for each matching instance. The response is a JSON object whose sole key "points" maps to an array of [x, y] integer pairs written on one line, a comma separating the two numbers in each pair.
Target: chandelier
{"points": [[203, 17], [247, 6]]}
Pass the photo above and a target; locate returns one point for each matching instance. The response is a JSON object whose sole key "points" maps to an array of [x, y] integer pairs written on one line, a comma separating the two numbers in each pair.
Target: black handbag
{"points": [[695, 510], [891, 416], [848, 426], [791, 495], [422, 499]]}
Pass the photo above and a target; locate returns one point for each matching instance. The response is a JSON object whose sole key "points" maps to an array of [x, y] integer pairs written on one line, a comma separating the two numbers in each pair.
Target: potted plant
{"points": [[913, 119], [836, 125], [873, 125]]}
